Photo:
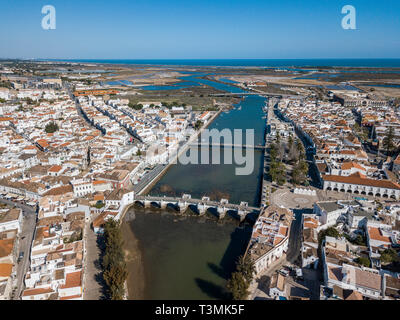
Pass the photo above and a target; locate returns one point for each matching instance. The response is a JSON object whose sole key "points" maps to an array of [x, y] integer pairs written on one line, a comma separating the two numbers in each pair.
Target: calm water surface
{"points": [[192, 258], [188, 259]]}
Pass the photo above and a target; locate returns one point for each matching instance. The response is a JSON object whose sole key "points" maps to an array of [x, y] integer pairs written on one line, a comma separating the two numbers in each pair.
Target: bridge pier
{"points": [[202, 208], [183, 205], [163, 205], [242, 215], [222, 211], [147, 204]]}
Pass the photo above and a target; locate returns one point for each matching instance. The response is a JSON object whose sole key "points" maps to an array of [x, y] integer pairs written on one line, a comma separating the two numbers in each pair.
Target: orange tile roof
{"points": [[73, 279], [43, 143], [77, 296], [355, 295], [376, 234], [99, 221], [6, 247], [5, 269], [397, 160], [310, 223], [360, 179], [351, 164], [35, 291], [55, 168], [98, 197], [99, 182]]}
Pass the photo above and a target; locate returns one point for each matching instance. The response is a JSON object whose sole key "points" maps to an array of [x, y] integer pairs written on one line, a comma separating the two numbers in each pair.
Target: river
{"points": [[191, 257]]}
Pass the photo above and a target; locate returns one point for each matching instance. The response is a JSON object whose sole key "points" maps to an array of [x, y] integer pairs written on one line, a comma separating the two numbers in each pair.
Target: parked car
{"points": [[288, 268], [283, 272], [299, 274]]}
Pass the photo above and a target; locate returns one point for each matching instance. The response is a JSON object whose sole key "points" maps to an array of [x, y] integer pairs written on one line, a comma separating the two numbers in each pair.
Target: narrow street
{"points": [[92, 274], [25, 239], [25, 242]]}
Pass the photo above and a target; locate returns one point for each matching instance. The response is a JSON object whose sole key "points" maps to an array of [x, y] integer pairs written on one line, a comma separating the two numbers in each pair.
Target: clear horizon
{"points": [[148, 30]]}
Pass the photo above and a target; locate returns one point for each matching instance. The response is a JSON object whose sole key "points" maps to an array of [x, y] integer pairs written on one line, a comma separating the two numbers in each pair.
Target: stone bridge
{"points": [[183, 203]]}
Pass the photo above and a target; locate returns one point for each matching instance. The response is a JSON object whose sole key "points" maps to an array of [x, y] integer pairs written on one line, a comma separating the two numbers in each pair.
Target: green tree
{"points": [[364, 134], [198, 124], [290, 142], [238, 286], [364, 261], [99, 204], [277, 172], [114, 267], [300, 148], [246, 267], [135, 106], [115, 277], [273, 152], [278, 137], [330, 232], [388, 142], [51, 127], [299, 173], [389, 255]]}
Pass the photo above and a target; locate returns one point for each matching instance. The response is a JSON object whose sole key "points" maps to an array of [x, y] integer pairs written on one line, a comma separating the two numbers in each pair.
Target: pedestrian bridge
{"points": [[201, 206]]}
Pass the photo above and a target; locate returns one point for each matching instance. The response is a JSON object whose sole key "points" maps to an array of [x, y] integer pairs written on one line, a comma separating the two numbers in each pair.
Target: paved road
{"points": [[24, 243], [148, 177], [92, 273], [295, 238], [26, 208]]}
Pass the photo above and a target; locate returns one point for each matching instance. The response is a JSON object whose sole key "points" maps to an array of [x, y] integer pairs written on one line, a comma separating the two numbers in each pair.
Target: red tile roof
{"points": [[360, 179]]}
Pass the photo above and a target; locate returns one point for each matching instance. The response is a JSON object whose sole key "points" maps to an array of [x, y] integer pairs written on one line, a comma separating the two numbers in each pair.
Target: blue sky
{"points": [[218, 29]]}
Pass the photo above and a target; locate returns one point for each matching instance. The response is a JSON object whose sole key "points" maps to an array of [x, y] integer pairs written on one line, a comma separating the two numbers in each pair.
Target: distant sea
{"points": [[274, 63]]}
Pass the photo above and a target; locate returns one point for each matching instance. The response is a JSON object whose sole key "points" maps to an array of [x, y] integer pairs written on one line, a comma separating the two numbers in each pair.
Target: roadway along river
{"points": [[172, 257]]}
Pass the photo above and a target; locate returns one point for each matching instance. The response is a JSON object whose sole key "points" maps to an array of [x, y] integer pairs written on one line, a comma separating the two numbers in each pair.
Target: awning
{"points": [[20, 198], [31, 203]]}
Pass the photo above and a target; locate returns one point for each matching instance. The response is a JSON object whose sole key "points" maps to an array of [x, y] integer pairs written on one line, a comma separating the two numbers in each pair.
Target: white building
{"points": [[328, 212], [270, 237], [82, 187], [11, 220], [357, 183]]}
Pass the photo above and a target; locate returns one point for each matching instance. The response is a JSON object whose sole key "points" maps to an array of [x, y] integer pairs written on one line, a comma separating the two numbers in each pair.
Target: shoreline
{"points": [[135, 283]]}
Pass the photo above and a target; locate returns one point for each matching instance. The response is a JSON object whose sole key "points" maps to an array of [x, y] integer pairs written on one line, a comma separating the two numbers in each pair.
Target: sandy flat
{"points": [[133, 257]]}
